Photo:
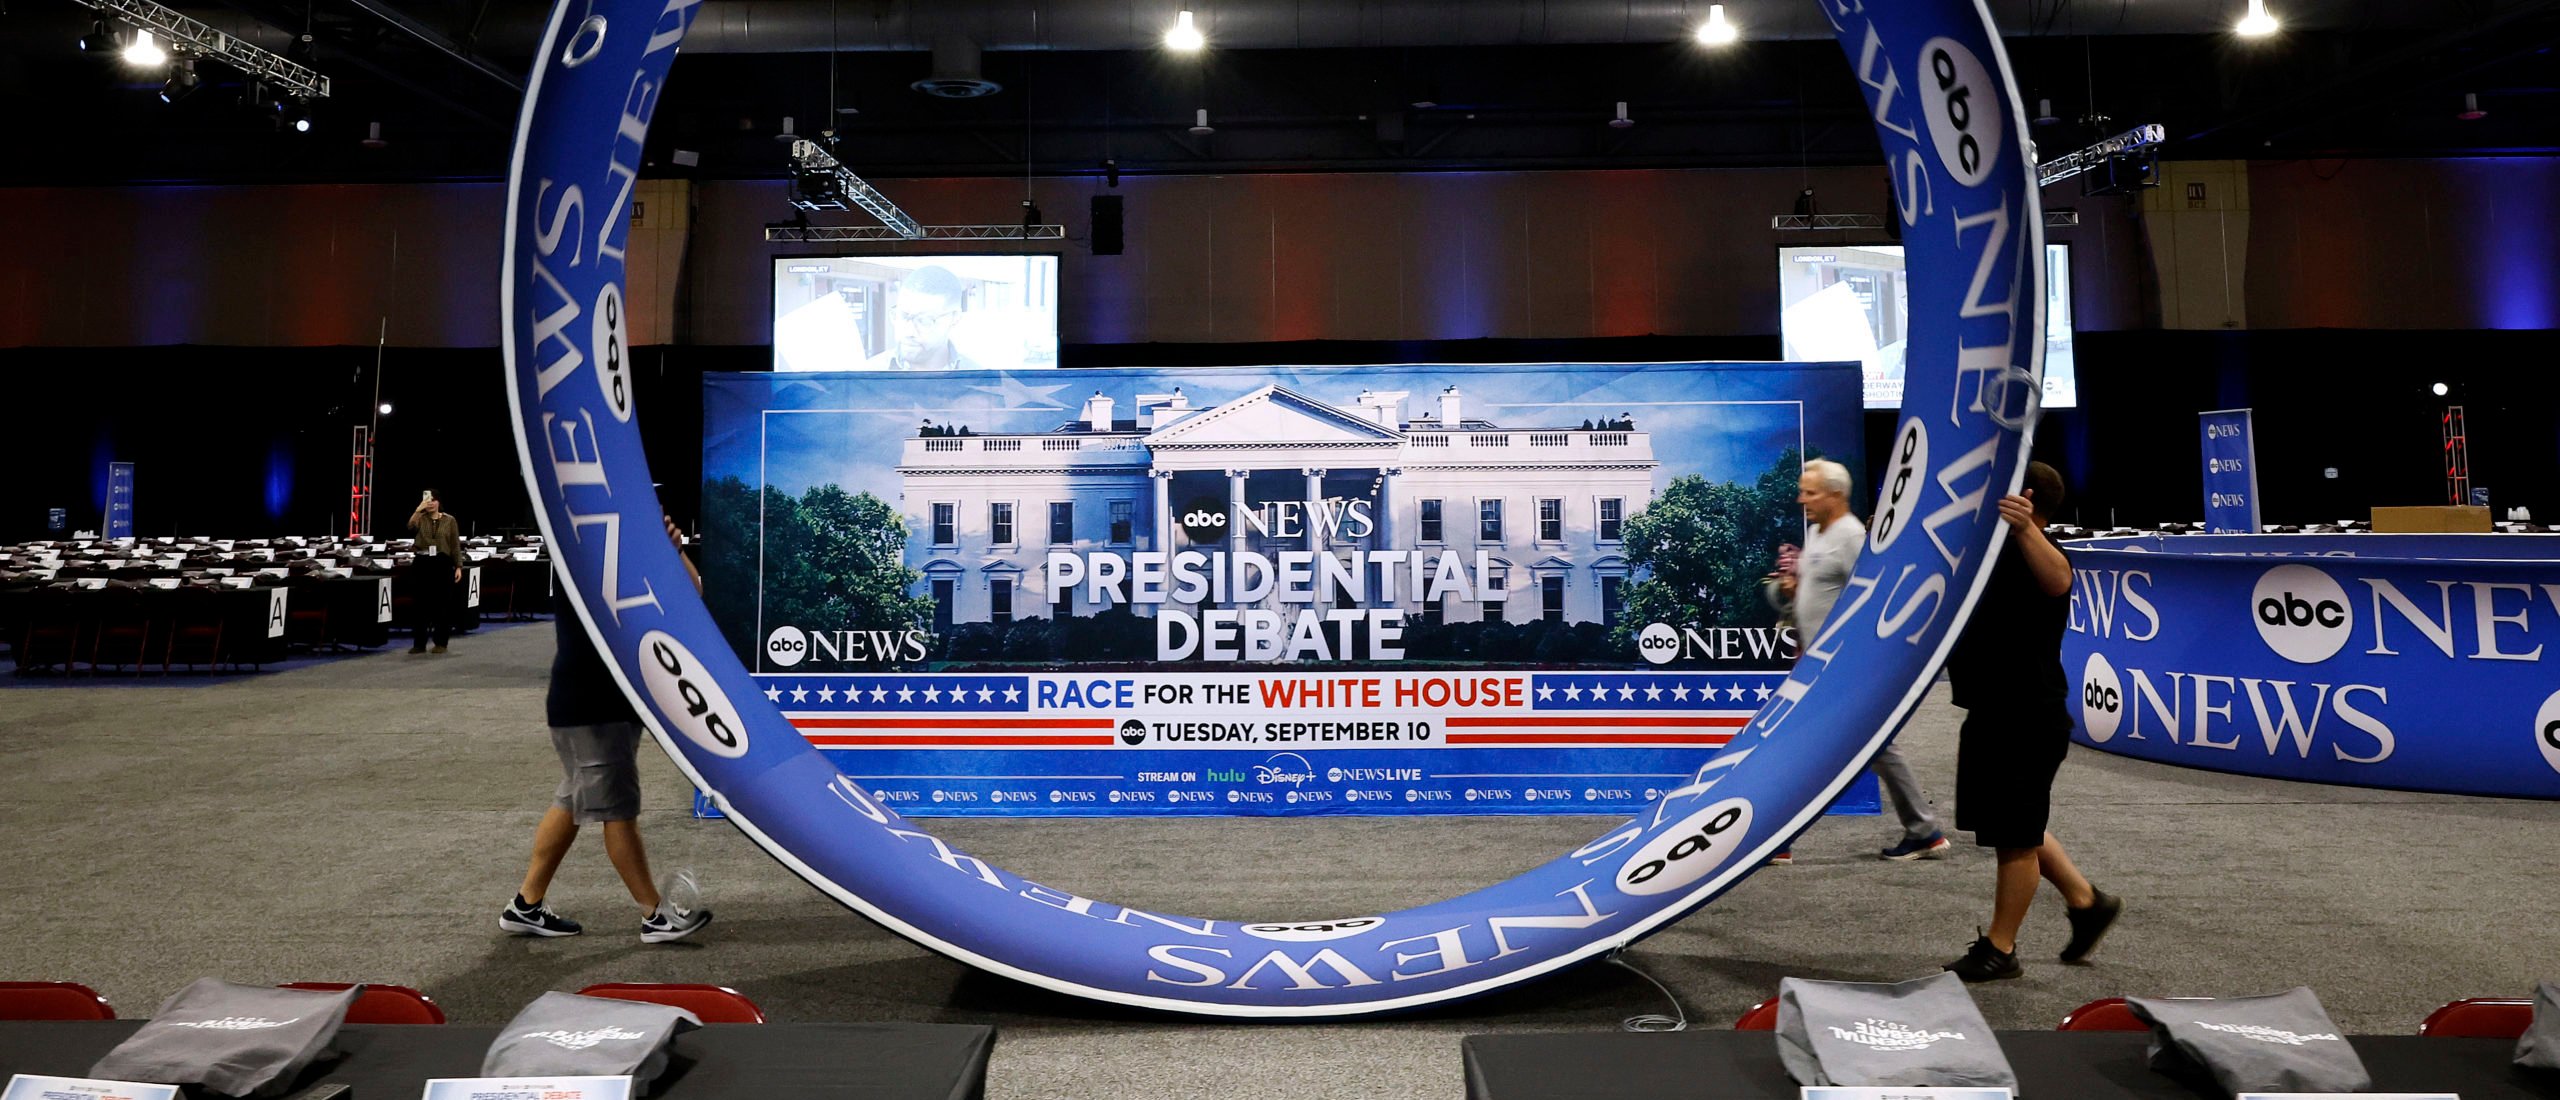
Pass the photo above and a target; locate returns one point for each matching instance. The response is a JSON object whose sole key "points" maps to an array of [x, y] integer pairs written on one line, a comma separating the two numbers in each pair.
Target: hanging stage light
{"points": [[2258, 23], [1716, 31], [144, 52], [1184, 37], [159, 30], [99, 39], [182, 80]]}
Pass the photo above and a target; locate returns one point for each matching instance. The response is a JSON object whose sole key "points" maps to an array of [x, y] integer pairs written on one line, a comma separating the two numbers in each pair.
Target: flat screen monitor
{"points": [[1848, 303], [943, 312]]}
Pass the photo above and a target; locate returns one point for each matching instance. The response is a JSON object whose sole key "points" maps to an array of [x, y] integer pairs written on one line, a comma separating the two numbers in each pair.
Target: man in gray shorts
{"points": [[598, 738]]}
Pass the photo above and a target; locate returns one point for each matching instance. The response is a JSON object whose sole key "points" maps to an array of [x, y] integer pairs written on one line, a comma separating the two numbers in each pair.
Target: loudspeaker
{"points": [[1106, 225]]}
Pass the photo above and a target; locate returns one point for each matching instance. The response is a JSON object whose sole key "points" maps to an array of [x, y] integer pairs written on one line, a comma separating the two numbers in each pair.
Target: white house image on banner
{"points": [[1547, 506]]}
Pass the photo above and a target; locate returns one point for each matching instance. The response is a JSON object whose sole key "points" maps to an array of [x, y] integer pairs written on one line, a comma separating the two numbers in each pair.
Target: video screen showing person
{"points": [[1849, 303], [840, 313]]}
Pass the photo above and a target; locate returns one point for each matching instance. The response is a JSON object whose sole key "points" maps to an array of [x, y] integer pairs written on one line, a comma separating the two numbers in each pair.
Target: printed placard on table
{"points": [[382, 599], [1903, 1092], [32, 1086], [1278, 590], [275, 611], [471, 597], [529, 1088]]}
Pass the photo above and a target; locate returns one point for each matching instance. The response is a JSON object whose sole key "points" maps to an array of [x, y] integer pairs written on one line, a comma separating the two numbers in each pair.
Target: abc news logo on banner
{"points": [[788, 646], [2223, 465]]}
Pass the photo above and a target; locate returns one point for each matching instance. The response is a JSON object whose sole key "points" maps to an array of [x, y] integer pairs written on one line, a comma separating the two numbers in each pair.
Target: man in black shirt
{"points": [[598, 737], [2007, 673]]}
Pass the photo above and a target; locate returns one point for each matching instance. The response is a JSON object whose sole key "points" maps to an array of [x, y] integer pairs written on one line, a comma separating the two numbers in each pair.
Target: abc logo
{"points": [[1901, 493], [1205, 521], [2546, 726], [786, 646], [2301, 613], [1659, 643], [1964, 115], [1313, 931], [2101, 699], [1133, 732]]}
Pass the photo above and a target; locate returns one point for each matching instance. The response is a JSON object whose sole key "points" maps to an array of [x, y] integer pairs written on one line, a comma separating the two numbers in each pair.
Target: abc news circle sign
{"points": [[1949, 120]]}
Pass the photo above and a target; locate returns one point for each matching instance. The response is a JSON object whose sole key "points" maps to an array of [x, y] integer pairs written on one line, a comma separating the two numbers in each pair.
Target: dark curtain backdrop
{"points": [[269, 456]]}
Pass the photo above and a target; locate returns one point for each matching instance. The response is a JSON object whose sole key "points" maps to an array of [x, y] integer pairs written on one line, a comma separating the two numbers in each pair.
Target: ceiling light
{"points": [[1184, 37], [1200, 123], [1622, 121], [373, 137], [2044, 113], [2471, 109], [144, 51], [2258, 23], [384, 408], [2441, 389], [182, 80], [1716, 31]]}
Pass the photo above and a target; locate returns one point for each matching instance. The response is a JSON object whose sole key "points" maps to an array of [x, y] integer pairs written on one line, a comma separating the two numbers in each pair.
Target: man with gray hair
{"points": [[1804, 588]]}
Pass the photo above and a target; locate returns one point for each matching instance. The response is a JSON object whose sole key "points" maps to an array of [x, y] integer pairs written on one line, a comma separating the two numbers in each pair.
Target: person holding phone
{"points": [[434, 572]]}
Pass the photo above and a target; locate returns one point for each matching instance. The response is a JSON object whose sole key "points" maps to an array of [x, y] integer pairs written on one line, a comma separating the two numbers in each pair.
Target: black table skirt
{"points": [[763, 1061], [2051, 1065]]}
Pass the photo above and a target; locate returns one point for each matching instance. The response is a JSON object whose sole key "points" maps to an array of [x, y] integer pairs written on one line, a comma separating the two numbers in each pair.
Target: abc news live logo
{"points": [[788, 646]]}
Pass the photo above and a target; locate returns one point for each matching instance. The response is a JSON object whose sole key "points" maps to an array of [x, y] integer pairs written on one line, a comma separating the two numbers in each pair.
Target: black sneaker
{"points": [[523, 918], [1985, 963], [2090, 925], [669, 924]]}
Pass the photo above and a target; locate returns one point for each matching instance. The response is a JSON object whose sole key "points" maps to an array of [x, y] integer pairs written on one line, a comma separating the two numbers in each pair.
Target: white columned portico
{"points": [[1163, 480], [1236, 510], [1315, 504]]}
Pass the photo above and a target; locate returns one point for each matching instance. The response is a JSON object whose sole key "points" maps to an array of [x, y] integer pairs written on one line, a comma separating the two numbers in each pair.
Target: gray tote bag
{"points": [[236, 1040], [2539, 1046], [566, 1035], [1914, 1034], [2281, 1042]]}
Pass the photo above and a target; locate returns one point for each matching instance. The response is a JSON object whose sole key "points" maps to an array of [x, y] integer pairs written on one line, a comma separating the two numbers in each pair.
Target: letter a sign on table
{"points": [[2230, 472], [1948, 117]]}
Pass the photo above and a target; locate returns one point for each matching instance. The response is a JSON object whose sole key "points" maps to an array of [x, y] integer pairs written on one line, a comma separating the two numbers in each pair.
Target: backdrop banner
{"points": [[119, 500], [2230, 471], [2412, 662], [1286, 590], [1948, 119]]}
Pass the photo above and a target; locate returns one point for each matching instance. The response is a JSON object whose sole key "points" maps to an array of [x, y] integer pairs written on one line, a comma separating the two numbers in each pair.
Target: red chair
{"points": [[2480, 1018], [2104, 1014], [1762, 1017], [715, 1004], [382, 1004], [52, 1001]]}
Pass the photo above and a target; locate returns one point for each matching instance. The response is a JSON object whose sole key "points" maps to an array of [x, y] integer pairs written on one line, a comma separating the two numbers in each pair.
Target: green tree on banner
{"points": [[1700, 549], [832, 560]]}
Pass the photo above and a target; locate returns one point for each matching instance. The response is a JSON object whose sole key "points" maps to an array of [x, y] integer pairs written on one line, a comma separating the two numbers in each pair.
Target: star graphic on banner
{"points": [[905, 693], [1572, 690], [799, 694], [1734, 692], [959, 698], [1546, 691], [1680, 692], [1652, 692], [1762, 693], [1014, 395], [826, 694], [878, 693], [933, 695], [1626, 691], [985, 695], [1012, 693], [773, 693]]}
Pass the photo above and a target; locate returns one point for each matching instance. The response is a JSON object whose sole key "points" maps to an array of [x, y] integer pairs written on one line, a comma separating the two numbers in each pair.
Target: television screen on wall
{"points": [[1848, 303], [912, 312]]}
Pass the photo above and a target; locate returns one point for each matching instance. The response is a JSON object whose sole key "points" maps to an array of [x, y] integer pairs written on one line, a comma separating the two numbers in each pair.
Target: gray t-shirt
{"points": [[1822, 571]]}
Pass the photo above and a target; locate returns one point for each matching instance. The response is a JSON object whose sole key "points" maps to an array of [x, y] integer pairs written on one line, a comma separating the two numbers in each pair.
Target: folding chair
{"points": [[2104, 1014], [715, 1004], [382, 1004], [52, 1001], [2480, 1018], [1762, 1017]]}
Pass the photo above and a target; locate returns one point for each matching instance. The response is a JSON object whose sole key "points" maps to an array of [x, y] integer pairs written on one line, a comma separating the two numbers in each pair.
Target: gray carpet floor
{"points": [[365, 819]]}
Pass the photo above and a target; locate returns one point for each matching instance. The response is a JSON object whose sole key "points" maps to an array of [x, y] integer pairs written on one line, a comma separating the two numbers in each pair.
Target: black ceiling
{"points": [[2365, 78]]}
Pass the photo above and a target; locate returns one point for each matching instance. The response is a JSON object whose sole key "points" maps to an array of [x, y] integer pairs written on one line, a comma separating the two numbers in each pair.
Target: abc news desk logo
{"points": [[2302, 613]]}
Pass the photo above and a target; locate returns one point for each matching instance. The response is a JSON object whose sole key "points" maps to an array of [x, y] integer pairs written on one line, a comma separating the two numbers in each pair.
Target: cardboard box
{"points": [[2432, 519]]}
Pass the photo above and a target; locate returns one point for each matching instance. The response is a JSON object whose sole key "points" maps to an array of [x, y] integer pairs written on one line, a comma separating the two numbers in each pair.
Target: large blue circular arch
{"points": [[1953, 131]]}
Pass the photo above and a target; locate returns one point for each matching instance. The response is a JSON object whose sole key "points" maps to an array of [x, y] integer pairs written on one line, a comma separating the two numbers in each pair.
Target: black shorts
{"points": [[2005, 764]]}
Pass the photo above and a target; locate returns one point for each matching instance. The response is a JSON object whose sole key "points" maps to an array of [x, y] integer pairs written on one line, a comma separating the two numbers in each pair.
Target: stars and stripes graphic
{"points": [[1624, 709], [926, 711]]}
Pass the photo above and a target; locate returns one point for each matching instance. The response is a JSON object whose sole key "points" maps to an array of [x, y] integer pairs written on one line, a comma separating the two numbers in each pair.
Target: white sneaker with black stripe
{"points": [[669, 924], [532, 918]]}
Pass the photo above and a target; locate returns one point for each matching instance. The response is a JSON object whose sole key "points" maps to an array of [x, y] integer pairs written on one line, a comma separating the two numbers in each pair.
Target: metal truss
{"points": [[1827, 221], [194, 38], [846, 191], [2071, 164], [923, 232]]}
